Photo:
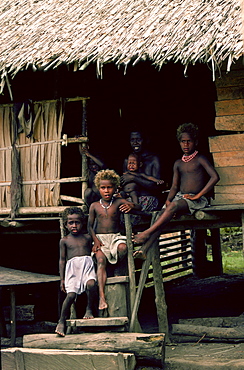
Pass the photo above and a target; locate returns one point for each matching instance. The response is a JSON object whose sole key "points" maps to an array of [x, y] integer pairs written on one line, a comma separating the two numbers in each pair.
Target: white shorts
{"points": [[111, 243], [78, 271]]}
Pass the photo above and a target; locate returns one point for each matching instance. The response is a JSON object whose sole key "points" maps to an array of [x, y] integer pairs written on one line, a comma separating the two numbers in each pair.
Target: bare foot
{"points": [[102, 304], [140, 254], [60, 329], [140, 238], [88, 314]]}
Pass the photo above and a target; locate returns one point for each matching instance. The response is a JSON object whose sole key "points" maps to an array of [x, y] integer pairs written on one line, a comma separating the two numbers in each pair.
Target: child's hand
{"points": [[167, 203], [62, 286], [160, 182], [190, 197], [97, 246], [84, 150], [126, 207]]}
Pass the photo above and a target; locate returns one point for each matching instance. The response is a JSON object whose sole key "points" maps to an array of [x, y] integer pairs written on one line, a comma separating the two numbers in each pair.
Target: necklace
{"points": [[106, 207], [188, 158]]}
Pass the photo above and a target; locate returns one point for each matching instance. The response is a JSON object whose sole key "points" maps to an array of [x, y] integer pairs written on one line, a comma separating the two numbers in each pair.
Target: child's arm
{"points": [[88, 154], [152, 178], [62, 263], [175, 184], [126, 206], [128, 177], [91, 221], [214, 178]]}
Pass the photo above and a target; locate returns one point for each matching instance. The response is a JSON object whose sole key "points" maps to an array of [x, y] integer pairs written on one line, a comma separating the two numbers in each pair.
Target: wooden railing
{"points": [[175, 256]]}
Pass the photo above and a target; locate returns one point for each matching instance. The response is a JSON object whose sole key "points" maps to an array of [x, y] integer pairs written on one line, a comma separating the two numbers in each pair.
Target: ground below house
{"points": [[190, 297]]}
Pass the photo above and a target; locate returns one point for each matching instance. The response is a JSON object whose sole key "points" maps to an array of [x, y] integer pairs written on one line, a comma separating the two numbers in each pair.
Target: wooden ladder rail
{"points": [[131, 272], [153, 257]]}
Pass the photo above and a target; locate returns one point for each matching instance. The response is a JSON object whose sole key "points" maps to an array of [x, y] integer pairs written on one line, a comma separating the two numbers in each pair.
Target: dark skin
{"points": [[188, 178], [107, 222], [75, 244], [150, 166], [132, 189], [95, 164]]}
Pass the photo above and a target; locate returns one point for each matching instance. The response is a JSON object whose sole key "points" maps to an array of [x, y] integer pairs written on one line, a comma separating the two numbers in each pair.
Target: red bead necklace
{"points": [[188, 158]]}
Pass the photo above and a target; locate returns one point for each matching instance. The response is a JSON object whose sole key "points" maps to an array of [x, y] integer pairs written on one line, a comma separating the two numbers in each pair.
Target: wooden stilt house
{"points": [[154, 63]]}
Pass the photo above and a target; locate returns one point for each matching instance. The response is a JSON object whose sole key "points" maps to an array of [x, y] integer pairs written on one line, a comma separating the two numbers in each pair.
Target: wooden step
{"points": [[34, 359], [117, 280], [100, 323]]}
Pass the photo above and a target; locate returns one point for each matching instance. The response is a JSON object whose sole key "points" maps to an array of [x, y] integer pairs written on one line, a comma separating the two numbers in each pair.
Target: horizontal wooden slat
{"points": [[173, 272], [229, 107], [230, 123], [234, 78], [226, 159], [176, 255], [231, 175], [228, 199], [229, 189], [225, 143], [177, 263], [230, 92], [166, 251], [54, 181], [101, 321]]}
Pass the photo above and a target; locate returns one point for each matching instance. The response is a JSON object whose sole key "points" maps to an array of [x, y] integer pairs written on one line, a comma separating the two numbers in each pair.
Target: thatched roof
{"points": [[45, 33]]}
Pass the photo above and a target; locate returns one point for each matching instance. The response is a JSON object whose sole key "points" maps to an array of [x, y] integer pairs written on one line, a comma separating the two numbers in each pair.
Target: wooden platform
{"points": [[147, 348], [35, 359], [11, 278]]}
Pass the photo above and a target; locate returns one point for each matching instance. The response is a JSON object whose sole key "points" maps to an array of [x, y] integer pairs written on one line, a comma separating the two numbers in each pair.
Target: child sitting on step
{"points": [[104, 227]]}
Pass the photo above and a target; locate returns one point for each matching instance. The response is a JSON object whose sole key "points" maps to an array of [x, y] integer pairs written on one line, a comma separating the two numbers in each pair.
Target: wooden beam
{"points": [[26, 358], [231, 175], [99, 321], [147, 348], [226, 143], [229, 159], [229, 107], [68, 198], [234, 78], [230, 123], [208, 332], [230, 92]]}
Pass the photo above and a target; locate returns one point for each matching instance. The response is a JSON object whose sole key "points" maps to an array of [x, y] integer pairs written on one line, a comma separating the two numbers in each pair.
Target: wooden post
{"points": [[12, 317], [84, 168], [216, 251], [131, 264], [160, 301], [242, 224], [3, 331]]}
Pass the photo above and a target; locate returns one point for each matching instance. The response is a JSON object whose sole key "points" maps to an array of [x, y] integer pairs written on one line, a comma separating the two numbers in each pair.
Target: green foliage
{"points": [[233, 262]]}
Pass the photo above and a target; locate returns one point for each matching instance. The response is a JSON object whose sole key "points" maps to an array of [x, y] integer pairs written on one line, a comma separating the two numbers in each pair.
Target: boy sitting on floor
{"points": [[189, 190]]}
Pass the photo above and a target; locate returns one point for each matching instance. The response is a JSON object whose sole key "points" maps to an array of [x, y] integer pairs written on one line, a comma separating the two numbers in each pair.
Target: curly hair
{"points": [[188, 128], [110, 175], [71, 211]]}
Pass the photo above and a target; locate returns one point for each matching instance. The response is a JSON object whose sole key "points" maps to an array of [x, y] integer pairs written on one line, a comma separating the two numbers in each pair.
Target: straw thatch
{"points": [[45, 33]]}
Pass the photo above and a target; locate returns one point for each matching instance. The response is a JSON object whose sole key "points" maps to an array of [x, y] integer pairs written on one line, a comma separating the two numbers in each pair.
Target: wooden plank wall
{"points": [[228, 147]]}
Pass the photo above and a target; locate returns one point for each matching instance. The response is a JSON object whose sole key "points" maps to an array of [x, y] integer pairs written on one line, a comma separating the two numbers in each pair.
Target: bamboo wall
{"points": [[228, 147], [5, 155], [40, 156]]}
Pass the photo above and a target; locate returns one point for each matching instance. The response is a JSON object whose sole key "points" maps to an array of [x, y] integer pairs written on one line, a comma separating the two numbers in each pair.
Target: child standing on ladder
{"points": [[193, 179], [76, 267], [104, 227]]}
